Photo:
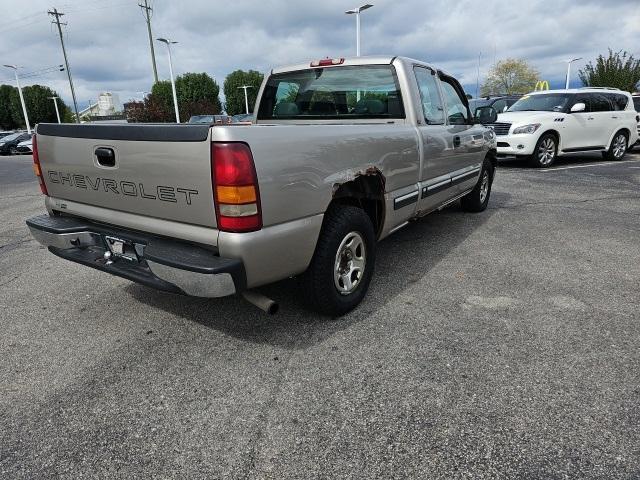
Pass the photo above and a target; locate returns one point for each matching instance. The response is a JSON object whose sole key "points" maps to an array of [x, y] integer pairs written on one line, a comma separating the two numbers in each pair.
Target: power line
{"points": [[57, 15]]}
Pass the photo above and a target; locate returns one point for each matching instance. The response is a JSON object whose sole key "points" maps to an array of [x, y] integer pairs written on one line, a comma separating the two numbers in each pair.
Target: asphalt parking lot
{"points": [[504, 344]]}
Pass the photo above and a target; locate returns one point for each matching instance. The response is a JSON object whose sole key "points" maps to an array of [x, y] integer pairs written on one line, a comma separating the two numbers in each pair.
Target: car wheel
{"points": [[478, 198], [618, 148], [342, 266], [13, 150], [546, 151]]}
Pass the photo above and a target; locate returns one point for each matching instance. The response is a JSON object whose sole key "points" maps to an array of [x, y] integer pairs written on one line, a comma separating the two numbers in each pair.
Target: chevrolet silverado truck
{"points": [[341, 153]]}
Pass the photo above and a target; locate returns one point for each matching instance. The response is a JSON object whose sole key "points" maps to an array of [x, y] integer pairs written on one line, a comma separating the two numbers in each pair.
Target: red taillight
{"points": [[235, 188], [325, 62], [36, 166]]}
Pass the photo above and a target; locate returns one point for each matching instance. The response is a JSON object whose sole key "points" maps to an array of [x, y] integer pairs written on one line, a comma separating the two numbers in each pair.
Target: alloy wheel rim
{"points": [[619, 146], [546, 151], [484, 187], [350, 263]]}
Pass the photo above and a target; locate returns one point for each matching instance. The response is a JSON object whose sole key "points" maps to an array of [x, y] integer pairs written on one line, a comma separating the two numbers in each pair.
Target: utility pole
{"points": [[246, 98], [55, 102], [148, 13], [57, 15]]}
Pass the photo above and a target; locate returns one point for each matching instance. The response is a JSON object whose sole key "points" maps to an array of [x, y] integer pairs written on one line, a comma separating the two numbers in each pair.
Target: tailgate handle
{"points": [[106, 157]]}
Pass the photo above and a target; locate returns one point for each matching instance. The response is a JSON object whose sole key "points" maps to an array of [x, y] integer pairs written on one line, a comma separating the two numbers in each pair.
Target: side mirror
{"points": [[485, 115], [578, 107]]}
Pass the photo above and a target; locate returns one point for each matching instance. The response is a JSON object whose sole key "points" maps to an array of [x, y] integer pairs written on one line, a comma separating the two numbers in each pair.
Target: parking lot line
{"points": [[588, 165]]}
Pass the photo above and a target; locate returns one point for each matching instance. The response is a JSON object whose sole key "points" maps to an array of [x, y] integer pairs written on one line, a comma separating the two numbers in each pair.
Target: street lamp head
{"points": [[15, 67], [166, 40], [359, 9]]}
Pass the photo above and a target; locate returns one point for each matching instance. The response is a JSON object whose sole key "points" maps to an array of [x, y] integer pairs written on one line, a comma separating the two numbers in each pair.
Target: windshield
{"points": [[13, 136], [358, 92], [636, 103], [545, 102]]}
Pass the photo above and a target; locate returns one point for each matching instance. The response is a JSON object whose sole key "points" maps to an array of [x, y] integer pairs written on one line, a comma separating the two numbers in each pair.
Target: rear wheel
{"points": [[478, 198], [544, 155], [342, 266], [618, 148]]}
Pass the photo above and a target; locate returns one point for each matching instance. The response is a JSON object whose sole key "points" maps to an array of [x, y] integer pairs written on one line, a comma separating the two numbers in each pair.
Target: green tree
{"points": [[7, 92], [40, 107], [619, 70], [235, 95], [512, 75], [198, 94]]}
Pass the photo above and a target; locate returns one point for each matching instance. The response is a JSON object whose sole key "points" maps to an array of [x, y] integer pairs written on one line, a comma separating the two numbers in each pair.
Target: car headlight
{"points": [[531, 128]]}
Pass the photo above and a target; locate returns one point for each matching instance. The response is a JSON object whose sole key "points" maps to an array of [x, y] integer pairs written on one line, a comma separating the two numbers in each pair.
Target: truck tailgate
{"points": [[161, 171]]}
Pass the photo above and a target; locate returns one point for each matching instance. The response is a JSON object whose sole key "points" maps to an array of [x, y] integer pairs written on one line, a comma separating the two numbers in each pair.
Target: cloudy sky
{"points": [[108, 46]]}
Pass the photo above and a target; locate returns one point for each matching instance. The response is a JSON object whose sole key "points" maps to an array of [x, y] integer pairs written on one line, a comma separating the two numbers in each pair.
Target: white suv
{"points": [[543, 125]]}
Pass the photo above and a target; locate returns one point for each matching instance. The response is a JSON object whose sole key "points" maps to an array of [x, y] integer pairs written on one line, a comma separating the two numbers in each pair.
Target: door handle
{"points": [[456, 141], [106, 157], [590, 118], [614, 118]]}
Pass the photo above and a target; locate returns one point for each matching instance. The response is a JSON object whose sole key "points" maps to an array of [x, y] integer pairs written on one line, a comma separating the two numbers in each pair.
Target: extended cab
{"points": [[341, 154], [544, 125]]}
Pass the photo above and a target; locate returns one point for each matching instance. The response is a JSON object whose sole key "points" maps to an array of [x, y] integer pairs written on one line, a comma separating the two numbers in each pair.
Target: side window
{"points": [[457, 112], [583, 98], [429, 95], [618, 100], [500, 105], [600, 103]]}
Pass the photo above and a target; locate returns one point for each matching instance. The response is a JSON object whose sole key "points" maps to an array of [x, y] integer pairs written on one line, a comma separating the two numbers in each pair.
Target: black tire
{"points": [[478, 198], [13, 151], [319, 283], [618, 148], [547, 145]]}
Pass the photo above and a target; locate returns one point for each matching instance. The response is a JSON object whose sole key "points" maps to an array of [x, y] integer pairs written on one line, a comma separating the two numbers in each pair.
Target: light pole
{"points": [[246, 98], [569, 62], [24, 107], [357, 11], [170, 42], [55, 102], [478, 77]]}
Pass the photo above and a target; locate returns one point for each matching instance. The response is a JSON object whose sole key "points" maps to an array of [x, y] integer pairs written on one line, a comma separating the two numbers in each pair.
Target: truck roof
{"points": [[366, 60]]}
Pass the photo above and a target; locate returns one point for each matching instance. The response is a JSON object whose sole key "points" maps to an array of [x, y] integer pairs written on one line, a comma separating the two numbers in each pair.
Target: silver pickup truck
{"points": [[341, 153]]}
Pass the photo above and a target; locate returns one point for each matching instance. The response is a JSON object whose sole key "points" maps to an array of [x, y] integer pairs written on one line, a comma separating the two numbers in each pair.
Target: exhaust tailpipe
{"points": [[263, 303]]}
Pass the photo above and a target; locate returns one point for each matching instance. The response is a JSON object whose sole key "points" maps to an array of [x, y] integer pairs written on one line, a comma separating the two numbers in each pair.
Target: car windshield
{"points": [[13, 136], [332, 93], [636, 103], [545, 102], [202, 119]]}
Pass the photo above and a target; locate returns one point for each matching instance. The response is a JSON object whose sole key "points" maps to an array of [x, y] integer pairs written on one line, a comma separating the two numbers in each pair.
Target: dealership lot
{"points": [[505, 343]]}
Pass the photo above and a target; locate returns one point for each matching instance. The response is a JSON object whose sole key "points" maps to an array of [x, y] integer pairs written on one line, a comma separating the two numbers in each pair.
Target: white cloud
{"points": [[108, 46]]}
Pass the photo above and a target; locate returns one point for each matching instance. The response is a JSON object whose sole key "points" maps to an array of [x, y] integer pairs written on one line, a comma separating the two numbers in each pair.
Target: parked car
{"points": [[211, 119], [25, 147], [342, 153], [544, 125], [499, 102], [9, 144], [8, 132], [244, 118]]}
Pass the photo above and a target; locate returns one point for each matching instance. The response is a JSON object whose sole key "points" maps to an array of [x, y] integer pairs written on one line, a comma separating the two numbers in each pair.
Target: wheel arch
{"points": [[365, 190]]}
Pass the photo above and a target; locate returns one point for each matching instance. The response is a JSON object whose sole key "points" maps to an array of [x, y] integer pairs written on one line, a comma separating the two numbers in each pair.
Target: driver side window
{"points": [[456, 109]]}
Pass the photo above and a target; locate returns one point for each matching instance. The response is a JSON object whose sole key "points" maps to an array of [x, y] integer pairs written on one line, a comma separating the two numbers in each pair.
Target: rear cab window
{"points": [[333, 93]]}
